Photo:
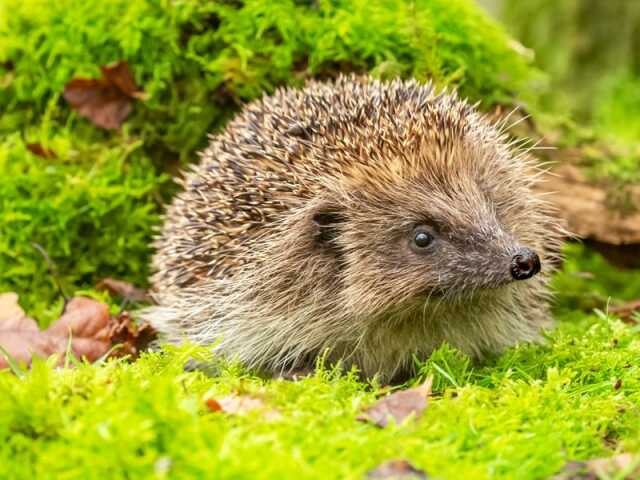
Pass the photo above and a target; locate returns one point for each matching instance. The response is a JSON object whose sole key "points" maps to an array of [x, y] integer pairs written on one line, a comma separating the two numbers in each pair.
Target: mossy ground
{"points": [[93, 208], [522, 416]]}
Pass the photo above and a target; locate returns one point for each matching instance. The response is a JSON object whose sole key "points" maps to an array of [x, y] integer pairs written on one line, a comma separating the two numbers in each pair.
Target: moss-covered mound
{"points": [[93, 206]]}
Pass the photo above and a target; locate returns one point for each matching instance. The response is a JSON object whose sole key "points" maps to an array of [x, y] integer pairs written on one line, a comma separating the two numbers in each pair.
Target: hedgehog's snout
{"points": [[525, 264]]}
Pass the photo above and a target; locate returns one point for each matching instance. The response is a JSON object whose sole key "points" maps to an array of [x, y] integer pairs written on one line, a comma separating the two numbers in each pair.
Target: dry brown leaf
{"points": [[84, 319], [19, 334], [234, 404], [87, 322], [39, 150], [397, 469], [106, 101], [124, 289], [131, 338], [11, 314], [213, 405], [399, 405], [625, 463]]}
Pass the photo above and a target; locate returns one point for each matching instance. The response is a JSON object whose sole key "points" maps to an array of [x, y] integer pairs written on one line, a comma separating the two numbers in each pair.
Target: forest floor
{"points": [[525, 414]]}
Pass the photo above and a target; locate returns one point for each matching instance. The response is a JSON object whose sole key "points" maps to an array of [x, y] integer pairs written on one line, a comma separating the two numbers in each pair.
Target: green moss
{"points": [[92, 208], [198, 60], [588, 281], [617, 108], [521, 416]]}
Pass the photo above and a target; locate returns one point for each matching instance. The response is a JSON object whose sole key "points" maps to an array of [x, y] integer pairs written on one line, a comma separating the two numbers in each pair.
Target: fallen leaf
{"points": [[625, 464], [119, 74], [106, 101], [397, 469], [399, 405], [213, 405], [40, 151], [19, 334], [124, 290], [131, 338], [12, 315], [86, 322], [241, 405]]}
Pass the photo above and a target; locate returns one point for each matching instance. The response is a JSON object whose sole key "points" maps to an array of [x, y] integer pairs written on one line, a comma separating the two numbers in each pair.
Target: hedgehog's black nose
{"points": [[525, 264]]}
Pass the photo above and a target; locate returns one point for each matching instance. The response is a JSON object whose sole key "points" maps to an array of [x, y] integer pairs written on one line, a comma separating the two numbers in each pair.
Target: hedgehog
{"points": [[363, 222]]}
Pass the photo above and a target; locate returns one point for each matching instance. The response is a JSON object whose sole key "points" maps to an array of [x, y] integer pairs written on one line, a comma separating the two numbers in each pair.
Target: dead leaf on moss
{"points": [[19, 334], [123, 289], [10, 311], [397, 469], [40, 151], [84, 319], [623, 464], [106, 101], [213, 405], [399, 405], [87, 322], [235, 404], [130, 338]]}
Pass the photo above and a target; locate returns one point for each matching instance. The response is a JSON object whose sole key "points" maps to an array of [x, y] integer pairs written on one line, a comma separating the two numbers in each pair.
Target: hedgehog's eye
{"points": [[422, 239]]}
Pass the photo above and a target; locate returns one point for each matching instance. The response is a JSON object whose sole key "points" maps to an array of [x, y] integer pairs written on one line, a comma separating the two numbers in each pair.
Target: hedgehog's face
{"points": [[420, 241]]}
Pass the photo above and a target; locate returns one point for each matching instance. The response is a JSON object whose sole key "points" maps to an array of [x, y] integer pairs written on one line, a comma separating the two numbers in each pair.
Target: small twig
{"points": [[51, 268]]}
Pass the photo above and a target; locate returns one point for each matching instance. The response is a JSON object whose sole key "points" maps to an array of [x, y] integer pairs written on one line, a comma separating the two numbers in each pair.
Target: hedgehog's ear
{"points": [[327, 221]]}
